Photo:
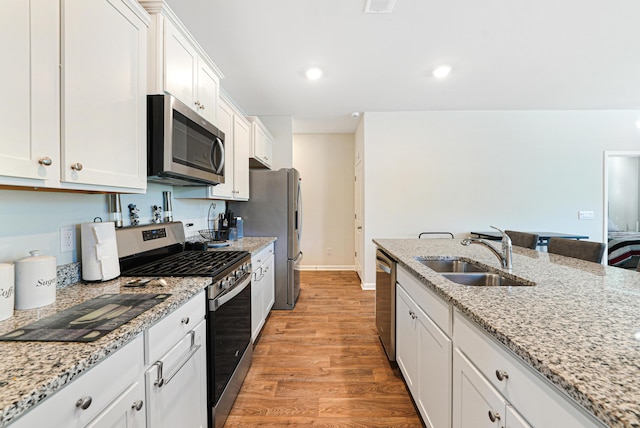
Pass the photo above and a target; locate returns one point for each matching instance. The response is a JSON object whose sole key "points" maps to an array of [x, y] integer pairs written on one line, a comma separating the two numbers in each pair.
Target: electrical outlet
{"points": [[329, 251], [586, 215], [67, 239]]}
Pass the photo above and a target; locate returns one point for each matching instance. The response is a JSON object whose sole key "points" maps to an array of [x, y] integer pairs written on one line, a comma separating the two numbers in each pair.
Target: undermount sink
{"points": [[450, 265], [485, 279]]}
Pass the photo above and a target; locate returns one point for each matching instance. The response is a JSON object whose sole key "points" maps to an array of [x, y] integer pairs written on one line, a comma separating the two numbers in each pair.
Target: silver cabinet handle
{"points": [[84, 402], [502, 375], [45, 161], [494, 416], [137, 405], [161, 381], [185, 320], [197, 103], [413, 315], [76, 166]]}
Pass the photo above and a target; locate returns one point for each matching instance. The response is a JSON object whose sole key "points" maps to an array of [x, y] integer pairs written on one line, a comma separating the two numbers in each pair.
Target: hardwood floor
{"points": [[322, 364]]}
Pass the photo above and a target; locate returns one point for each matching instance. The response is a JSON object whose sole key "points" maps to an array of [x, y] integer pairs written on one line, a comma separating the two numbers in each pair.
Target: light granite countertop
{"points": [[579, 326], [33, 371]]}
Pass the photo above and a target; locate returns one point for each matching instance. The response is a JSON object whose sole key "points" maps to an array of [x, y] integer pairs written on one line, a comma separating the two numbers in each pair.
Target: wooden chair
{"points": [[522, 239], [585, 250], [436, 233]]}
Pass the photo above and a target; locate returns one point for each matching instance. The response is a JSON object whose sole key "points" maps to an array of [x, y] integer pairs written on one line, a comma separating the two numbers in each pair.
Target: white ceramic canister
{"points": [[7, 289], [36, 281]]}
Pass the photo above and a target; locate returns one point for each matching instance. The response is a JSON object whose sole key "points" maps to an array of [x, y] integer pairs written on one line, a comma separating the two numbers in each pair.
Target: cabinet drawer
{"points": [[99, 386], [169, 330], [534, 397], [434, 306], [262, 256]]}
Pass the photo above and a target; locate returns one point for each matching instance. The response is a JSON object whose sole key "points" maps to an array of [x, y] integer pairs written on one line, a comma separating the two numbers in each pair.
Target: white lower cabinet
{"points": [[176, 374], [476, 403], [423, 353], [176, 393], [110, 394], [262, 289]]}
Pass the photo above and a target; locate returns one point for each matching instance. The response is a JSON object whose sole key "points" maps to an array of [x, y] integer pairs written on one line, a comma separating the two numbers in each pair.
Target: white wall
{"points": [[31, 220], [464, 171], [326, 165]]}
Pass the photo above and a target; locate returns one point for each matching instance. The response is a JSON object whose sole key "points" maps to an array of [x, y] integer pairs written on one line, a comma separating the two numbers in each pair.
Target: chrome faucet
{"points": [[505, 257]]}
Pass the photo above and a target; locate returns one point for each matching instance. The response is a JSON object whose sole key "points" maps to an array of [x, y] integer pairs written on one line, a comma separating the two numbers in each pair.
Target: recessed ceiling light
{"points": [[442, 71], [313, 73]]}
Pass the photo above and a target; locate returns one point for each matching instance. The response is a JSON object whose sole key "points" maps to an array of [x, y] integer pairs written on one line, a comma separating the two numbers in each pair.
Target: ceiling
{"points": [[504, 54]]}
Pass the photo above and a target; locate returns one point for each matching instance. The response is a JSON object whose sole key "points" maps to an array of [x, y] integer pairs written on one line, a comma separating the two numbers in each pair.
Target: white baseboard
{"points": [[327, 267], [368, 286]]}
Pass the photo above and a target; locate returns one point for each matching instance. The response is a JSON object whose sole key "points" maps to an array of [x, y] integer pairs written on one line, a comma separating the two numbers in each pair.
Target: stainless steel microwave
{"points": [[182, 148]]}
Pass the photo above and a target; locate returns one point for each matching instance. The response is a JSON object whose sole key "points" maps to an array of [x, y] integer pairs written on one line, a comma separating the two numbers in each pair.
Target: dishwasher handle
{"points": [[161, 381], [382, 265]]}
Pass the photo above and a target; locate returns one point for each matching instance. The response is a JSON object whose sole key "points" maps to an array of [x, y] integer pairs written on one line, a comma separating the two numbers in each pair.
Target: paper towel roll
{"points": [[7, 290], [99, 251], [36, 281]]}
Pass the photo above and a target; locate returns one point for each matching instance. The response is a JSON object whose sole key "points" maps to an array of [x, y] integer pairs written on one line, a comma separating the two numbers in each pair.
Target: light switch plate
{"points": [[586, 215]]}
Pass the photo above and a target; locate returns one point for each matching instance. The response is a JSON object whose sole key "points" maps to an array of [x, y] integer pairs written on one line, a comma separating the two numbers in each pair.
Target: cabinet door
{"points": [[407, 339], [207, 92], [514, 419], [182, 400], [126, 411], [257, 290], [29, 115], [181, 66], [259, 142], [103, 94], [241, 141], [476, 404], [434, 373], [225, 124], [268, 288]]}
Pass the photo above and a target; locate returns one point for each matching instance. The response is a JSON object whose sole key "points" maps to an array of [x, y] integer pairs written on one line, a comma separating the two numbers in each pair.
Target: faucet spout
{"points": [[505, 257]]}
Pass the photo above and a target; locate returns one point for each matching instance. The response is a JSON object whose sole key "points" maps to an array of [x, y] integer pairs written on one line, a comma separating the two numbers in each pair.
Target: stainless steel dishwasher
{"points": [[386, 302]]}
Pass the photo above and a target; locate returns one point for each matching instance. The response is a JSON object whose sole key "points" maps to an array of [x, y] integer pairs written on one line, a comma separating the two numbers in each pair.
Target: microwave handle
{"points": [[217, 168]]}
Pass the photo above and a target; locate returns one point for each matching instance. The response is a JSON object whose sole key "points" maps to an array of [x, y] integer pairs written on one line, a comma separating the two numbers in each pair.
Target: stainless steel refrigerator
{"points": [[275, 209]]}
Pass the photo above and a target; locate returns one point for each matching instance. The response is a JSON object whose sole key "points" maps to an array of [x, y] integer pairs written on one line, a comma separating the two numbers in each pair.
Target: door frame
{"points": [[605, 203]]}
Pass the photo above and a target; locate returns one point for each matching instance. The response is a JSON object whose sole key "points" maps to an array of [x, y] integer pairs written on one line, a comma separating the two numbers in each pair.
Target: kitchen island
{"points": [[578, 327], [34, 371]]}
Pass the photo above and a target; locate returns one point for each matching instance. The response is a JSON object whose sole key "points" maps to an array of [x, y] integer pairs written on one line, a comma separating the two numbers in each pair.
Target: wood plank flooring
{"points": [[322, 364]]}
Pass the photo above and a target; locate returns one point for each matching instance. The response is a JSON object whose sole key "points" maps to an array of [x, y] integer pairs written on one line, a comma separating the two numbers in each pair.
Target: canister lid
{"points": [[36, 256]]}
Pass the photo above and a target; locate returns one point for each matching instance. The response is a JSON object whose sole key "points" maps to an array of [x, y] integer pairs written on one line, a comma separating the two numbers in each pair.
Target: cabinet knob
{"points": [[197, 103], [137, 405], [502, 375], [45, 161], [202, 106], [84, 402], [185, 320], [76, 166], [494, 416]]}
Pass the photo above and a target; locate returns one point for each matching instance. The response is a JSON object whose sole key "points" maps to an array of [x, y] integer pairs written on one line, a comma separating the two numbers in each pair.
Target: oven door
{"points": [[229, 335]]}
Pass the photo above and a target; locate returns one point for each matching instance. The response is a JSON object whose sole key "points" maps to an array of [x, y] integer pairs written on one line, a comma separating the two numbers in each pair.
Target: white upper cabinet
{"points": [[241, 142], [30, 84], [76, 95], [104, 93], [261, 147], [178, 65]]}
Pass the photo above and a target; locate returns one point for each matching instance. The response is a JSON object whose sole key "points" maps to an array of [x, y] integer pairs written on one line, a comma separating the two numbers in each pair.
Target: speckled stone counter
{"points": [[248, 243], [579, 326], [32, 371]]}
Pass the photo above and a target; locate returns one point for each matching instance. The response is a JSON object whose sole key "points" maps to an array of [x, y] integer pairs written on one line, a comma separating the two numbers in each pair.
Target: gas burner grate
{"points": [[189, 263]]}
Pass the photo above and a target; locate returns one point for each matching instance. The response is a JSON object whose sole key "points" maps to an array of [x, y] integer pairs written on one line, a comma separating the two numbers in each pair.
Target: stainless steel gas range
{"points": [[155, 251]]}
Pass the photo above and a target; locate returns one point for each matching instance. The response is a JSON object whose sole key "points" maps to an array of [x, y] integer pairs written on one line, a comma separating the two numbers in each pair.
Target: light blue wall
{"points": [[31, 220]]}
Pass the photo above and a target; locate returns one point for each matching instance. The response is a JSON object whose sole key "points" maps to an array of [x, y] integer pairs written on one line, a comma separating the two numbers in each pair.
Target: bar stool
{"points": [[522, 239], [584, 250]]}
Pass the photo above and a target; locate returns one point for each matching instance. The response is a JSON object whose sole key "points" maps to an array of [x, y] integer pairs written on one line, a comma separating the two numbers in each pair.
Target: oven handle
{"points": [[161, 381], [216, 303]]}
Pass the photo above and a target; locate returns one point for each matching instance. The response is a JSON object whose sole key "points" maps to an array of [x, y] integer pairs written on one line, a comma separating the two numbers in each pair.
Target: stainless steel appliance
{"points": [[182, 148], [275, 209], [158, 250], [386, 302]]}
